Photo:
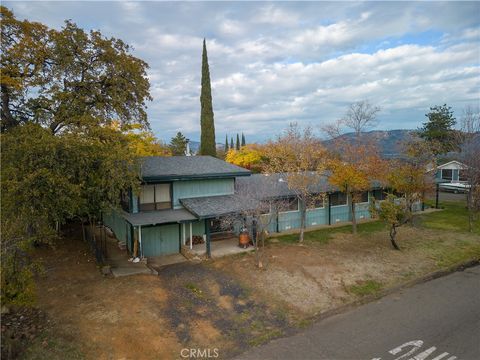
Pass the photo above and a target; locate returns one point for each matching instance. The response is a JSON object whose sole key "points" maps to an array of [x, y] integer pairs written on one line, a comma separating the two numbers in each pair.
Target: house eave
{"points": [[153, 179]]}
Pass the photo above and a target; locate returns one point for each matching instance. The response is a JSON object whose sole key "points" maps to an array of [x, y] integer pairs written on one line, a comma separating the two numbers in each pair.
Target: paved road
{"points": [[436, 320]]}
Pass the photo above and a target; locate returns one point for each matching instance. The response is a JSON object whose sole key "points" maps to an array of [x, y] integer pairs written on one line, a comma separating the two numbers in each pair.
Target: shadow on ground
{"points": [[208, 308]]}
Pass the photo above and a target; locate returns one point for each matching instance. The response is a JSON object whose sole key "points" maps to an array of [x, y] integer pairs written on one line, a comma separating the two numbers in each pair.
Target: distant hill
{"points": [[195, 146], [389, 141]]}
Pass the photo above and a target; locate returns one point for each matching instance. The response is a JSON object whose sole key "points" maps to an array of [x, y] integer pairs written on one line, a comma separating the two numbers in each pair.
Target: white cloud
{"points": [[277, 63], [272, 14]]}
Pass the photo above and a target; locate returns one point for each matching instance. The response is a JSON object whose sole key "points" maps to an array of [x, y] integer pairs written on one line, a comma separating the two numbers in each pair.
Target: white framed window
{"points": [[291, 205], [155, 197], [147, 194], [447, 174], [316, 203], [363, 198], [338, 199]]}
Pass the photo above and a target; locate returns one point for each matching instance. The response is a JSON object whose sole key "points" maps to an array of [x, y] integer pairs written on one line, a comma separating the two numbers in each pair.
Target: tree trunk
{"points": [[354, 218], [393, 233], [302, 221], [470, 208], [7, 119]]}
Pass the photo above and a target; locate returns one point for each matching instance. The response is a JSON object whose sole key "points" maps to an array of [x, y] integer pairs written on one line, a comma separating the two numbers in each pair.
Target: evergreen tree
{"points": [[232, 146], [226, 143], [178, 144], [207, 139], [237, 145], [243, 140], [438, 130]]}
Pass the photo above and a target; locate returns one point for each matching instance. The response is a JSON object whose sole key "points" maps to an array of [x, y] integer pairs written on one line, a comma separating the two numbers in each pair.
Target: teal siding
{"points": [[160, 240], [316, 217], [362, 210], [117, 223], [201, 188], [340, 213], [129, 238], [289, 220], [134, 203], [269, 222]]}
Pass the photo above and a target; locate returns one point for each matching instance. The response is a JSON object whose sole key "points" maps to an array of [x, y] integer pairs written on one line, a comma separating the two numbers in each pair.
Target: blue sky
{"points": [[273, 63]]}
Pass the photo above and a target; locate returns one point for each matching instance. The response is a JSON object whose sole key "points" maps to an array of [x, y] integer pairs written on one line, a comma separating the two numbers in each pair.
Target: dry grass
{"points": [[334, 267]]}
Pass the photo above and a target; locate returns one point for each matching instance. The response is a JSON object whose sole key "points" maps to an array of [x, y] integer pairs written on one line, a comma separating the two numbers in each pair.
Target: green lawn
{"points": [[322, 236], [367, 287], [453, 217]]}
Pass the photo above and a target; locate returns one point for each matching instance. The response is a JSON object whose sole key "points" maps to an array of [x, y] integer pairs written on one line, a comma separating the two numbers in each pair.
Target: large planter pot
{"points": [[243, 240]]}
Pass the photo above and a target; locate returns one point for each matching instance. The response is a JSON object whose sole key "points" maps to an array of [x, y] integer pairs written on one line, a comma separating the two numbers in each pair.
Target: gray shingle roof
{"points": [[275, 185], [214, 206], [159, 217], [157, 168]]}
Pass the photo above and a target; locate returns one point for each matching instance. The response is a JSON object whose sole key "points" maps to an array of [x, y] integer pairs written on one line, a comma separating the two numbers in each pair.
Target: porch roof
{"points": [[159, 217], [215, 206]]}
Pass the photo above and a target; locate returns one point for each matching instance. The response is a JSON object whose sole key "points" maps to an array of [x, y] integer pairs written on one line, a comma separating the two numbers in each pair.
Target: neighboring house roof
{"points": [[167, 168], [214, 206], [159, 217], [454, 164]]}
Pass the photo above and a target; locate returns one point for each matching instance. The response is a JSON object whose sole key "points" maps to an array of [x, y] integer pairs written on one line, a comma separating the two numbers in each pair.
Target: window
{"points": [[125, 200], [338, 198], [291, 204], [162, 196], [462, 175], [379, 194], [447, 174], [155, 197], [363, 197], [315, 203]]}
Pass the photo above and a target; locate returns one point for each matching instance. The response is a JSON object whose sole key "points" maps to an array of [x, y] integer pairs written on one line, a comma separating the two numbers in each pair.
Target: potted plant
{"points": [[244, 238]]}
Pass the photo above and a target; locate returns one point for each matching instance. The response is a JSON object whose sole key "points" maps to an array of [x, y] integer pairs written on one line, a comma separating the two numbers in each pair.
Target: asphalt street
{"points": [[436, 320]]}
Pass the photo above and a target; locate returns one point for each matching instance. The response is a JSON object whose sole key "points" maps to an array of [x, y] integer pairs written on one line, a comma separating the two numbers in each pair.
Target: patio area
{"points": [[221, 248]]}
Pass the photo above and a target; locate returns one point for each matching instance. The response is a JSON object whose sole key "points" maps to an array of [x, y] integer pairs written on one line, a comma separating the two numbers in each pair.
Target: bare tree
{"points": [[470, 156], [301, 158], [257, 206], [360, 116]]}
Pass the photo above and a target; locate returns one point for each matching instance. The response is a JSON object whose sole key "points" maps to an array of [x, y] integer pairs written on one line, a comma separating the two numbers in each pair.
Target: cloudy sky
{"points": [[280, 62]]}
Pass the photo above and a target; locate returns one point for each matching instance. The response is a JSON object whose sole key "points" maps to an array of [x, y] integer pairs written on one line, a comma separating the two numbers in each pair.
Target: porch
{"points": [[219, 248]]}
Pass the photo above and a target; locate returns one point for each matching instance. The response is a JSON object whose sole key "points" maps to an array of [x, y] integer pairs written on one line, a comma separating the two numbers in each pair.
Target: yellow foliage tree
{"points": [[142, 142], [300, 156], [249, 156], [354, 167]]}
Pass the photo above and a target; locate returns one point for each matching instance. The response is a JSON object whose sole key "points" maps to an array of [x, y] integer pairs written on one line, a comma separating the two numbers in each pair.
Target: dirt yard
{"points": [[225, 304], [315, 277], [144, 316]]}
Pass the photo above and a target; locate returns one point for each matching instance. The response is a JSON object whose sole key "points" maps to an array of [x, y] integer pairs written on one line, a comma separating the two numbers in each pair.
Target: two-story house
{"points": [[157, 217], [182, 197]]}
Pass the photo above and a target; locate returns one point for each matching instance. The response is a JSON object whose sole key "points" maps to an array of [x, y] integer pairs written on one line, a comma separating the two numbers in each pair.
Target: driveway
{"points": [[437, 320]]}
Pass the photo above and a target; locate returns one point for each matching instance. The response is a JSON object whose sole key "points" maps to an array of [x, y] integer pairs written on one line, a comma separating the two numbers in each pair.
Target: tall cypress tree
{"points": [[237, 145], [231, 143], [226, 143], [207, 139], [243, 140]]}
